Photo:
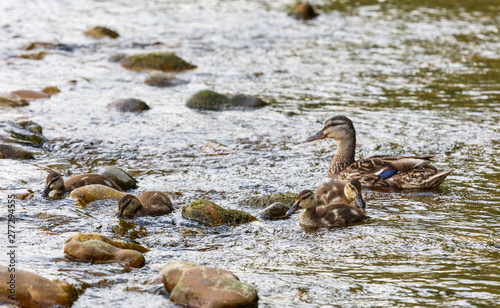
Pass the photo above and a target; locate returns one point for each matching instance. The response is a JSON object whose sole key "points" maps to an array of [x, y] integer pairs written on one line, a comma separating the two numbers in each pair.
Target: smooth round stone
{"points": [[29, 94], [12, 152], [129, 105], [99, 32], [246, 101], [275, 211], [160, 61], [161, 79], [51, 90], [305, 11], [120, 177]]}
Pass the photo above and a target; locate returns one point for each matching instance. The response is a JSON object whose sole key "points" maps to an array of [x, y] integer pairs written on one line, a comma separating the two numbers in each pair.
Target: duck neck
{"points": [[344, 157]]}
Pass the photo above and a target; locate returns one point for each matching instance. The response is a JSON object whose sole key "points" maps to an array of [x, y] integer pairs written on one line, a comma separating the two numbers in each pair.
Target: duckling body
{"points": [[330, 215], [382, 171], [148, 203], [55, 182], [340, 192]]}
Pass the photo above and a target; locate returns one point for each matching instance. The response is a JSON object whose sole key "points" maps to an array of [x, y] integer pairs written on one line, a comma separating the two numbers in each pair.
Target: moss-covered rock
{"points": [[208, 100], [303, 10], [101, 249], [120, 177], [211, 214], [161, 79], [30, 94], [23, 132], [51, 90], [129, 230], [275, 211], [12, 100], [99, 32], [160, 61], [263, 201], [32, 290], [193, 285], [12, 152], [128, 105]]}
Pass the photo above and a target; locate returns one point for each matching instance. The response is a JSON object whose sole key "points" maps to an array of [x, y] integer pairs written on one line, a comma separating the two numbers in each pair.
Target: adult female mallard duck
{"points": [[55, 182], [381, 171], [330, 215], [148, 203]]}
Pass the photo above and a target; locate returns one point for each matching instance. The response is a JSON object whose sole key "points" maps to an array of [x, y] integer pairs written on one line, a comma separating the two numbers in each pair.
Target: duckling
{"points": [[331, 215], [55, 182], [340, 192], [382, 171], [148, 203]]}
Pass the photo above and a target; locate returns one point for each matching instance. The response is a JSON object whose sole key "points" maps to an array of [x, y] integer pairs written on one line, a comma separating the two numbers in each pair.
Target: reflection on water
{"points": [[415, 78]]}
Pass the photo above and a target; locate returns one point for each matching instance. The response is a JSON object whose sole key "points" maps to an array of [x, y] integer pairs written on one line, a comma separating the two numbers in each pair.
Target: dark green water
{"points": [[419, 77]]}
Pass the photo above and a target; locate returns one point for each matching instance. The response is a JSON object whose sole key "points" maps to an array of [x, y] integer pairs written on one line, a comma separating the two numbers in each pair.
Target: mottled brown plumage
{"points": [[382, 171], [337, 192], [148, 203], [55, 182]]}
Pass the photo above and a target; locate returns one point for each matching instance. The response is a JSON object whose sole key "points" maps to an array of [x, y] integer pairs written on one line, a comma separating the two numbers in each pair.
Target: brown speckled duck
{"points": [[382, 171], [55, 182], [340, 192], [330, 215], [148, 203]]}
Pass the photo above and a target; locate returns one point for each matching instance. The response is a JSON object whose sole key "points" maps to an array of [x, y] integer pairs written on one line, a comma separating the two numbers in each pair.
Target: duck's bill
{"points": [[46, 192], [359, 200], [294, 208], [318, 136]]}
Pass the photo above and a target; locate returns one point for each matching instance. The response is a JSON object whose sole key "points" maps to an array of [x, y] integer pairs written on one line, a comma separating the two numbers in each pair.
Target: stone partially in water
{"points": [[211, 214], [129, 230], [33, 56], [48, 45], [120, 177], [275, 211], [84, 237], [51, 90], [90, 193], [128, 105], [304, 10], [194, 285], [29, 94], [22, 132], [99, 32], [262, 201], [208, 100], [12, 100], [161, 61], [12, 152], [246, 101], [161, 79], [99, 251], [32, 290]]}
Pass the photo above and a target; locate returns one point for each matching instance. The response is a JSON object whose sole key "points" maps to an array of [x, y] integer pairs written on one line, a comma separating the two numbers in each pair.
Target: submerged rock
{"points": [[51, 90], [129, 230], [161, 79], [194, 285], [210, 100], [90, 193], [304, 10], [120, 177], [99, 32], [48, 45], [12, 100], [22, 132], [32, 290], [161, 61], [262, 201], [12, 152], [246, 101], [275, 211], [209, 213], [129, 105], [33, 56], [101, 249], [29, 94]]}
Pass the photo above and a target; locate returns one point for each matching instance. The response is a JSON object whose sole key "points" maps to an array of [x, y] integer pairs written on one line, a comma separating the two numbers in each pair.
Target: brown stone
{"points": [[29, 94], [13, 152]]}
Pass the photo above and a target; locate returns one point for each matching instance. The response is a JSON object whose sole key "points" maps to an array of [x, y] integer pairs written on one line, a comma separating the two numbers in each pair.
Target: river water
{"points": [[414, 78]]}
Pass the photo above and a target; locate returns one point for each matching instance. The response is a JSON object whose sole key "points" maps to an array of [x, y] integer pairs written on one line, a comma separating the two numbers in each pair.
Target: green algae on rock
{"points": [[22, 132], [211, 214], [193, 285], [51, 90], [129, 230], [12, 152], [32, 290], [129, 105], [160, 61], [99, 32], [263, 201]]}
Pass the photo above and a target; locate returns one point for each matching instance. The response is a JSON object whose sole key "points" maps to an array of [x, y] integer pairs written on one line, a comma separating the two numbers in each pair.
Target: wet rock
{"points": [[246, 101], [209, 213], [161, 79], [129, 230], [99, 32], [84, 237], [48, 45], [161, 61], [194, 285], [32, 290], [29, 94], [90, 193], [51, 90], [208, 100], [102, 250], [262, 201], [22, 132], [275, 211], [33, 56], [12, 100], [128, 105], [120, 177], [304, 10], [12, 152]]}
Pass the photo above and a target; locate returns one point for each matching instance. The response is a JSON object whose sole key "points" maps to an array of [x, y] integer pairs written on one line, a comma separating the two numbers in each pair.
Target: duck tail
{"points": [[437, 179]]}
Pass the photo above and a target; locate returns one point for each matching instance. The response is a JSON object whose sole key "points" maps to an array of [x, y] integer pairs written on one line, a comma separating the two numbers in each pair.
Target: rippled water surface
{"points": [[414, 78]]}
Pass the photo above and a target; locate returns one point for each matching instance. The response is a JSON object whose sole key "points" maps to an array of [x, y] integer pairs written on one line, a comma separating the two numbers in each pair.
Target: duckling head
{"points": [[55, 182], [352, 191], [337, 127], [128, 205], [306, 199]]}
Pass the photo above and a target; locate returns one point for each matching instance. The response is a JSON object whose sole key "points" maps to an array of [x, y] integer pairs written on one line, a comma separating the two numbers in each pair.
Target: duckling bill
{"points": [[55, 182]]}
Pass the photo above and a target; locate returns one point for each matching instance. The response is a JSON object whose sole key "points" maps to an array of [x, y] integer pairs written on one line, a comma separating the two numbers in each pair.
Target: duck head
{"points": [[337, 127], [352, 191], [128, 205], [306, 199], [55, 182]]}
